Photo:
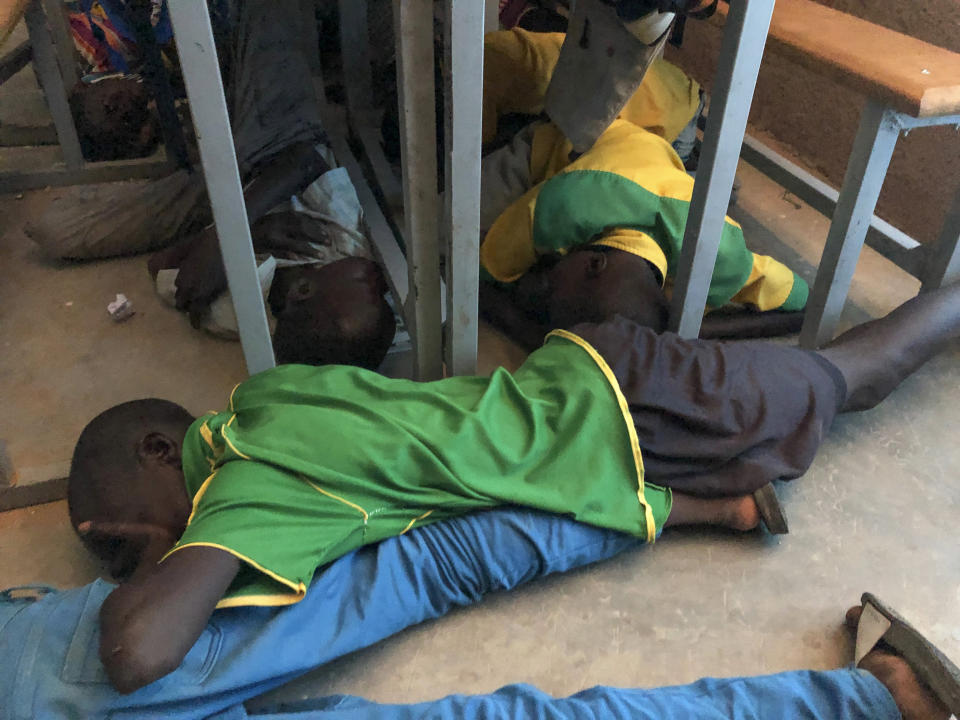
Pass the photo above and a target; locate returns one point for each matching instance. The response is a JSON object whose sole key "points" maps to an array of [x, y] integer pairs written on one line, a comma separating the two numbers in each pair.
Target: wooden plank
{"points": [[907, 74]]}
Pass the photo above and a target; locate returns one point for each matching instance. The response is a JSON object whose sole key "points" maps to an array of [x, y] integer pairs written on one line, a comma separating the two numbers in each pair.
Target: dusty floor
{"points": [[877, 511]]}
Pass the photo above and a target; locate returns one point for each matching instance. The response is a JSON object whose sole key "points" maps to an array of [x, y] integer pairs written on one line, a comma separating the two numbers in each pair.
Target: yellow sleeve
{"points": [[665, 102], [517, 66], [771, 286]]}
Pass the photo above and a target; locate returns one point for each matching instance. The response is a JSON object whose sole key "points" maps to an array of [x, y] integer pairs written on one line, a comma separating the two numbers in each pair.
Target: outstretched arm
{"points": [[748, 324], [499, 308], [149, 623]]}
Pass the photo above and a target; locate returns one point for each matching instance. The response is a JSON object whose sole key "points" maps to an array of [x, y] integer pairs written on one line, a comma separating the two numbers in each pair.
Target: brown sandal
{"points": [[771, 512], [878, 623]]}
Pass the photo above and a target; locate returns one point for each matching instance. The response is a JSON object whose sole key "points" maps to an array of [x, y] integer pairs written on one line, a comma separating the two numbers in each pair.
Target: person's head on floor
{"points": [[113, 119], [126, 471], [334, 314], [595, 283]]}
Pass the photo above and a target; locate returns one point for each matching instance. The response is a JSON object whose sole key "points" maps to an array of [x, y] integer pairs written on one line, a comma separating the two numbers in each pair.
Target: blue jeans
{"points": [[49, 665], [834, 695]]}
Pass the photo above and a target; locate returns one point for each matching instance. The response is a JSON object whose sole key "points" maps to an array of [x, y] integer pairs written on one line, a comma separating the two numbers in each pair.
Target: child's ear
{"points": [[157, 446], [302, 289], [596, 264]]}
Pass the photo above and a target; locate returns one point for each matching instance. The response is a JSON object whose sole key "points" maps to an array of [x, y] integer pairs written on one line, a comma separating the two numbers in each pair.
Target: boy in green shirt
{"points": [[306, 464]]}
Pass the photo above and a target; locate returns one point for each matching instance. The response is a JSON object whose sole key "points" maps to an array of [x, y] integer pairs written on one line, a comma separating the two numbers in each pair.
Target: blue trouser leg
{"points": [[51, 668], [804, 695]]}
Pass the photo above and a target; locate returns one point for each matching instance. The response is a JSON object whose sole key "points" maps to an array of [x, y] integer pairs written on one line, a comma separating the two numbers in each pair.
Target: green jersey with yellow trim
{"points": [[310, 463]]}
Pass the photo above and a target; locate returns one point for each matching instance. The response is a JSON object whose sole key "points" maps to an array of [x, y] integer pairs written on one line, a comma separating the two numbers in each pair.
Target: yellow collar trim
{"points": [[636, 243]]}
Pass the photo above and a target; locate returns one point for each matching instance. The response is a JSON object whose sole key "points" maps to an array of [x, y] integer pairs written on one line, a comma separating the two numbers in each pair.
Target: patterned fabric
{"points": [[104, 37]]}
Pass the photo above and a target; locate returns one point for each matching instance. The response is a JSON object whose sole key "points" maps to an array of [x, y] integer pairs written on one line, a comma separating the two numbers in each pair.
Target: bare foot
{"points": [[914, 700], [735, 513], [742, 513]]}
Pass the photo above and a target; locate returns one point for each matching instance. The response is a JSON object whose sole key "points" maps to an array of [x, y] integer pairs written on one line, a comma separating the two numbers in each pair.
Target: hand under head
{"points": [[334, 314], [126, 492], [595, 283]]}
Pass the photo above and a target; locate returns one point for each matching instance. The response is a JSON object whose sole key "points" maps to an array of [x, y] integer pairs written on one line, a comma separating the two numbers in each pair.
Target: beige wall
{"points": [[817, 119]]}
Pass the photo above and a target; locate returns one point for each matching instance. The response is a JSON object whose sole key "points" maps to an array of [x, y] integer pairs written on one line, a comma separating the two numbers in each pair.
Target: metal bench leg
{"points": [[365, 119], [464, 79], [943, 266], [208, 106], [491, 20], [62, 40], [866, 169], [355, 51], [413, 30], [740, 53], [55, 91]]}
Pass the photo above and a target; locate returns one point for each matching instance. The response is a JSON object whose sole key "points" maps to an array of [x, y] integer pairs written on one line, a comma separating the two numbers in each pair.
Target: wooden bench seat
{"points": [[904, 73]]}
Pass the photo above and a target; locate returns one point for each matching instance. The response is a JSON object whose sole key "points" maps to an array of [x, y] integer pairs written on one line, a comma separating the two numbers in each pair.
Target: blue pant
{"points": [[49, 665], [834, 695]]}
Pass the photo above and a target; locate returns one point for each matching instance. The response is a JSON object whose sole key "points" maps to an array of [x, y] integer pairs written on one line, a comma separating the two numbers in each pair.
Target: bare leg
{"points": [[877, 356], [734, 513]]}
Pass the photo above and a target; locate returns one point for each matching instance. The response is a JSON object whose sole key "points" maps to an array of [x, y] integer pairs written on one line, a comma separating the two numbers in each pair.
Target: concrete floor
{"points": [[876, 511]]}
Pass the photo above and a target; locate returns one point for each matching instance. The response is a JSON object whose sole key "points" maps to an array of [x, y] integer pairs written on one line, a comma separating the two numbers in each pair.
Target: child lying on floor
{"points": [[313, 255], [54, 670], [241, 507], [628, 197]]}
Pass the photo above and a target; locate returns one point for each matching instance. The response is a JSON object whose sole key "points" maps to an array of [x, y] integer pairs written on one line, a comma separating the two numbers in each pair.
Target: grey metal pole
{"points": [[491, 15], [55, 91], [464, 101], [208, 106], [744, 38], [413, 30], [943, 266], [63, 40], [866, 169]]}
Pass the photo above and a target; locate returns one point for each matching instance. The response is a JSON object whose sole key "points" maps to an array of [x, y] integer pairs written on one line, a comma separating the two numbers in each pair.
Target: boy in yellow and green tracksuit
{"points": [[629, 192]]}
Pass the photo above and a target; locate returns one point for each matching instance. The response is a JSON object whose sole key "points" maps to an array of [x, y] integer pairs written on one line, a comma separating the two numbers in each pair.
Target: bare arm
{"points": [[149, 624], [747, 324], [500, 309], [202, 276]]}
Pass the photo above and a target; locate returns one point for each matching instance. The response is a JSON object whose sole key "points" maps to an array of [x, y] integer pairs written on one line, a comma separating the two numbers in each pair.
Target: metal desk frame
{"points": [[414, 32], [880, 127]]}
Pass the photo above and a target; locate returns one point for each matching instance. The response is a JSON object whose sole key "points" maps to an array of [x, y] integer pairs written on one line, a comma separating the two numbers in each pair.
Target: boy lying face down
{"points": [[610, 221], [242, 507], [373, 595], [627, 196], [332, 313]]}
